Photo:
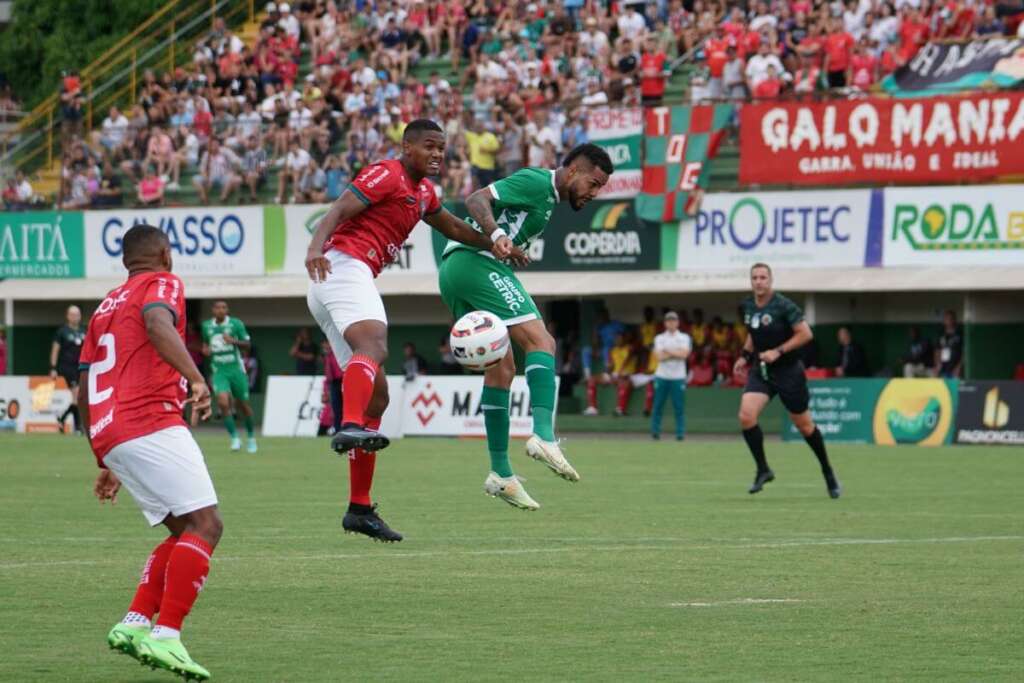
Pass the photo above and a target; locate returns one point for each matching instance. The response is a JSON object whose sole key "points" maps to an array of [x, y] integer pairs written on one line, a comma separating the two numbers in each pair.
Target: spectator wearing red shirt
{"points": [[807, 76], [813, 45], [768, 88], [890, 59], [716, 55], [863, 66], [838, 50], [652, 72], [913, 33]]}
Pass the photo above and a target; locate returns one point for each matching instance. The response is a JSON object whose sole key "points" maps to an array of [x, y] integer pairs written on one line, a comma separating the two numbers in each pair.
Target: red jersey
{"points": [[394, 206], [132, 390], [716, 56], [839, 47], [652, 80], [863, 70]]}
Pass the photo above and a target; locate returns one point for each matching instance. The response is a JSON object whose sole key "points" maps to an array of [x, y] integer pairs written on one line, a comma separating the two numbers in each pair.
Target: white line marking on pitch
{"points": [[738, 601], [636, 547]]}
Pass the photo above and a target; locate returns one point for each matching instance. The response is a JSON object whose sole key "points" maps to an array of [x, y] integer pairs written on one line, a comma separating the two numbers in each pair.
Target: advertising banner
{"points": [[32, 403], [842, 409], [288, 230], [795, 229], [603, 235], [944, 67], [294, 404], [954, 226], [679, 143], [878, 140], [41, 244], [990, 413], [619, 132], [450, 406], [204, 240]]}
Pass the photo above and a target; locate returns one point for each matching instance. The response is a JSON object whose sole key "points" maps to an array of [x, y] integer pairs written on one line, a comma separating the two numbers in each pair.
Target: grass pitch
{"points": [[657, 566]]}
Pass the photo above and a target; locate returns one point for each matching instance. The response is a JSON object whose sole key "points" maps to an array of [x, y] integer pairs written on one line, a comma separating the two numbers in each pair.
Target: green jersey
{"points": [[224, 356], [772, 324], [522, 207]]}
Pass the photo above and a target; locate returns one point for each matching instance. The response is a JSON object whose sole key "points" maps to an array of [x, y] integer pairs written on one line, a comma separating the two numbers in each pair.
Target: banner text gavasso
{"points": [[214, 241], [876, 140], [797, 229]]}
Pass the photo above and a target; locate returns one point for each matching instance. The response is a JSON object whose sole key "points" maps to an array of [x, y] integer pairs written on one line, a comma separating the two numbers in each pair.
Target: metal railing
{"points": [[114, 77]]}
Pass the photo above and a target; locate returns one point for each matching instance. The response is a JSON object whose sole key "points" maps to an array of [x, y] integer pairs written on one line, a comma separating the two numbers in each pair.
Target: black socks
{"points": [[817, 444], [755, 442]]}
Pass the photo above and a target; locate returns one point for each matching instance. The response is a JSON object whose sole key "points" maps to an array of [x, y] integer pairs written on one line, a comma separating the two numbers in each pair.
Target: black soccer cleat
{"points": [[366, 521], [356, 436], [835, 489], [760, 480]]}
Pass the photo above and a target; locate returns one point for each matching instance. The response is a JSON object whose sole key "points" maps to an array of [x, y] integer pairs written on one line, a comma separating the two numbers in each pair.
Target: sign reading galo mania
{"points": [[883, 140], [954, 226]]}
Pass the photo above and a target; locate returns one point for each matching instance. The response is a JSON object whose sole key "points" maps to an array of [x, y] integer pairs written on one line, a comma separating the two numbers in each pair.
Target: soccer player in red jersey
{"points": [[134, 371], [361, 233]]}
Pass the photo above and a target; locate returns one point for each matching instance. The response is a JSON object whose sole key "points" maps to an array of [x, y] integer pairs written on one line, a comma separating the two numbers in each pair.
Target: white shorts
{"points": [[349, 296], [165, 472]]}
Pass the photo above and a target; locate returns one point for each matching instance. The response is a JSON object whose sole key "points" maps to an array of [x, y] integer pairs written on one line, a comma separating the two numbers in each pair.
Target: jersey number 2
{"points": [[97, 369]]}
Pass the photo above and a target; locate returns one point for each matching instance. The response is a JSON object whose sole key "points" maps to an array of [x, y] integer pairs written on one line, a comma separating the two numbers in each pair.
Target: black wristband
{"points": [[749, 356]]}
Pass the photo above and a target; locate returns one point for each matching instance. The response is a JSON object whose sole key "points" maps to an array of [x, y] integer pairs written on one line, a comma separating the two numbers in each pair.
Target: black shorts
{"points": [[70, 376], [788, 381]]}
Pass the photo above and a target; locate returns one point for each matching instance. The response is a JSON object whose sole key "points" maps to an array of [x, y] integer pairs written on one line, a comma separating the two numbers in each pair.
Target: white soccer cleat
{"points": [[591, 411], [510, 490], [550, 453], [236, 444]]}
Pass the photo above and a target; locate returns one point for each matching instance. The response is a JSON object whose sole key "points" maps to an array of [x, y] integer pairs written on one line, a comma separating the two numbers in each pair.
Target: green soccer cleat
{"points": [[125, 638], [170, 654], [251, 445]]}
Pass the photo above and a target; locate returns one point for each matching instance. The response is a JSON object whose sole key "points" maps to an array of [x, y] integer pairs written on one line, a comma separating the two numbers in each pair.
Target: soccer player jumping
{"points": [[361, 233], [223, 338], [134, 370], [518, 207], [777, 329]]}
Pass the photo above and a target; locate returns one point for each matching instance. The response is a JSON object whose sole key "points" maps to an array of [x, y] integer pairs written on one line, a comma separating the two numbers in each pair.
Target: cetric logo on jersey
{"points": [[508, 291], [215, 241], [800, 229]]}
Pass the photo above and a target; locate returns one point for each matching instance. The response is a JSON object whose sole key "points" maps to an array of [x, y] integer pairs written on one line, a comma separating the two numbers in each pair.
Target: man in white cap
{"points": [[289, 22]]}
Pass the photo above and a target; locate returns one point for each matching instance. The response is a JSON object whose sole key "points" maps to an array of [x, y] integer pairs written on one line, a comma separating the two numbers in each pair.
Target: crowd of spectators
{"points": [[803, 46]]}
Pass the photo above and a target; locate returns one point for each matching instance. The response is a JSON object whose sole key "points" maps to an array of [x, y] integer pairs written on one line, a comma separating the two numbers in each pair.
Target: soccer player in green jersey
{"points": [[776, 331], [224, 338], [518, 207]]}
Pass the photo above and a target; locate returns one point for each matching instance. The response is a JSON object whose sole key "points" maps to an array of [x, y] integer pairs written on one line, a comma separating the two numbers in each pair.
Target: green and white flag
{"points": [[619, 132]]}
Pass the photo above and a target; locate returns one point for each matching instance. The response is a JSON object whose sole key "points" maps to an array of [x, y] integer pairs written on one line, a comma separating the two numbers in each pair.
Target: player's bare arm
{"points": [[347, 206], [107, 484], [479, 205], [801, 335], [164, 337], [455, 228]]}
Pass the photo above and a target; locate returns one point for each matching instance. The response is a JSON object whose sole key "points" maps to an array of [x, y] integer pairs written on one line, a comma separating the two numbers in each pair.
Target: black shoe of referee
{"points": [[835, 489], [363, 519], [352, 436], [760, 480]]}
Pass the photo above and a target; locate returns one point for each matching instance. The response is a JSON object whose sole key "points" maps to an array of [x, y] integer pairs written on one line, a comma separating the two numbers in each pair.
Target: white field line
{"points": [[582, 547], [738, 601]]}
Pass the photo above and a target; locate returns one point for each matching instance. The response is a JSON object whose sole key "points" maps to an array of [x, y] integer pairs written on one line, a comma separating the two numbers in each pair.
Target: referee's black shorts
{"points": [[788, 381], [69, 374]]}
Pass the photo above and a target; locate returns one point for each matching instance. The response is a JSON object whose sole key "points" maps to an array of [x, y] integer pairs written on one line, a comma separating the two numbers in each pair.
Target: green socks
{"points": [[494, 403], [229, 424], [248, 425], [540, 377]]}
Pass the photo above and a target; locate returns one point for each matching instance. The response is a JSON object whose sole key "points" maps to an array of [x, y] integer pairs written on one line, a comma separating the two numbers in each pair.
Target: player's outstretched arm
{"points": [[347, 206], [455, 228], [480, 207], [164, 338]]}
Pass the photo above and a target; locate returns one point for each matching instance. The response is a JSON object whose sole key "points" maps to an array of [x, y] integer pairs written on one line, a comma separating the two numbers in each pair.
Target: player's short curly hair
{"points": [[142, 240], [420, 126], [592, 153]]}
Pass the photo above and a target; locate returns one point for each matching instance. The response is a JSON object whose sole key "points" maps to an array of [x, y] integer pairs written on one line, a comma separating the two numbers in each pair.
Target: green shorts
{"points": [[232, 381], [471, 282]]}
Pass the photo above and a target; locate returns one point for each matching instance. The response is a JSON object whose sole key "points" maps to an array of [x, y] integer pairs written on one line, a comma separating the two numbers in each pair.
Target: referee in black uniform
{"points": [[64, 353], [776, 331]]}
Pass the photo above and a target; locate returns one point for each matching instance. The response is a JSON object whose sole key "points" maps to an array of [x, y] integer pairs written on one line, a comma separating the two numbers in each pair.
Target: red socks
{"points": [[187, 567], [625, 389], [591, 393], [357, 388], [360, 470], [649, 397], [151, 586]]}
